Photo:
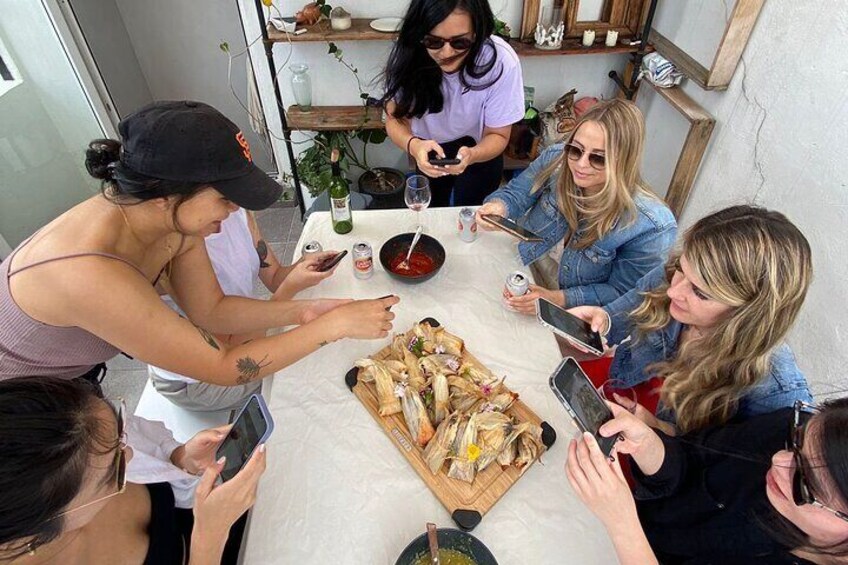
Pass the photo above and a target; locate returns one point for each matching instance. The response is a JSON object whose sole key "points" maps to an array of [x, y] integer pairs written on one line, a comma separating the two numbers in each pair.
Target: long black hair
{"points": [[832, 440], [413, 79], [48, 431]]}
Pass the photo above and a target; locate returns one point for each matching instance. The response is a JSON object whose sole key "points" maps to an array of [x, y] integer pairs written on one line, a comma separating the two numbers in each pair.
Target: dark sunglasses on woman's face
{"points": [[575, 153], [434, 43], [801, 492]]}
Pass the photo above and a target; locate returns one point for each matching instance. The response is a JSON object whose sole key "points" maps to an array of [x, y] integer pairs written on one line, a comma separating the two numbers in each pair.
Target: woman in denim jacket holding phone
{"points": [[603, 229], [712, 321]]}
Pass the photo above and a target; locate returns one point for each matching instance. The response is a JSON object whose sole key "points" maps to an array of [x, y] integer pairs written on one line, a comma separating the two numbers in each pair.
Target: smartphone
{"points": [[582, 400], [252, 427], [510, 227], [437, 161], [331, 262], [568, 326]]}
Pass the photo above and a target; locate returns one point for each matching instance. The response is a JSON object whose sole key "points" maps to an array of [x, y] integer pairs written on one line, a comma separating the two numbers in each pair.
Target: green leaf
{"points": [[363, 95], [224, 46], [325, 10], [333, 48], [378, 136]]}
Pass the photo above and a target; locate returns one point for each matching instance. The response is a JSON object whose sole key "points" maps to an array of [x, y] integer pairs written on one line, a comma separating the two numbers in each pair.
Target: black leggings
{"points": [[470, 188]]}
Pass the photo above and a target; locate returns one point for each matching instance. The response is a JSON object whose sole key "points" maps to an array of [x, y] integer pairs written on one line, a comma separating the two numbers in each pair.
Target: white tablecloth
{"points": [[338, 491]]}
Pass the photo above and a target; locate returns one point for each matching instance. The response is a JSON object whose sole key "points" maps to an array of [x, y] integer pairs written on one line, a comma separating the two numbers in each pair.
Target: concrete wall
{"points": [[780, 141], [333, 85], [176, 42], [109, 43]]}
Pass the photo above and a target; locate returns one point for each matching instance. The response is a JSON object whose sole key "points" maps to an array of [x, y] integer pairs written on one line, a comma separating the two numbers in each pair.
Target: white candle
{"points": [[588, 37], [612, 38]]}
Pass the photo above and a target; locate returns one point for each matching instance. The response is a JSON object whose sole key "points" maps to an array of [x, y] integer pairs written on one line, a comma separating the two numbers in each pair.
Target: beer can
{"points": [[517, 284], [310, 248], [363, 260], [467, 225]]}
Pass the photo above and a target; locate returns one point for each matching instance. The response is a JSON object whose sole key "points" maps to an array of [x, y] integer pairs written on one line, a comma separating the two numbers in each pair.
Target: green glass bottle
{"points": [[339, 197]]}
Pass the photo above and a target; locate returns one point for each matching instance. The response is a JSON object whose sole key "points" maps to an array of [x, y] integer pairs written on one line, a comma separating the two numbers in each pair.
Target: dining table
{"points": [[337, 490]]}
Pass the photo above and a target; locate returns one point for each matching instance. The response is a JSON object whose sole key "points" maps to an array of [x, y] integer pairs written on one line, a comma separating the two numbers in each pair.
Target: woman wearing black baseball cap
{"points": [[82, 288]]}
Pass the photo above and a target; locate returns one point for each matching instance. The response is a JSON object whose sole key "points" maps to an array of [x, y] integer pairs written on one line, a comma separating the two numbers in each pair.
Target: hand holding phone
{"points": [[510, 227], [330, 262], [582, 401], [569, 327], [252, 427]]}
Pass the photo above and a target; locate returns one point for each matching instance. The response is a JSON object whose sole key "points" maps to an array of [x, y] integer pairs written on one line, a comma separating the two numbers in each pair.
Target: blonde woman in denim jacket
{"points": [[603, 228]]}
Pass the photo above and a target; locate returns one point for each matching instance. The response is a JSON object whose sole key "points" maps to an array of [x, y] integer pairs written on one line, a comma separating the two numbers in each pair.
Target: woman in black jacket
{"points": [[770, 489]]}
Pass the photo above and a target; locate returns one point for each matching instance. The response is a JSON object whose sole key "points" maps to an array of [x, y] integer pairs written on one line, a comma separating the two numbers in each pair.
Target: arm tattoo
{"points": [[207, 337], [323, 343], [262, 251], [248, 368]]}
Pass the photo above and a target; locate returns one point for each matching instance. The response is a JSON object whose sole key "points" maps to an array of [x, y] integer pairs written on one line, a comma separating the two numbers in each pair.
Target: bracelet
{"points": [[609, 324], [409, 141]]}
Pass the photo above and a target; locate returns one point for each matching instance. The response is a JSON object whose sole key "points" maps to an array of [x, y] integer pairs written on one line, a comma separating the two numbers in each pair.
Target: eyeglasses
{"points": [[119, 464], [575, 153], [434, 43], [801, 492]]}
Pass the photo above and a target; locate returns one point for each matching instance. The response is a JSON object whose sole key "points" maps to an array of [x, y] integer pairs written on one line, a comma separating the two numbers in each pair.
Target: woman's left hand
{"points": [[321, 306], [465, 156], [600, 484], [304, 274], [527, 304], [199, 452]]}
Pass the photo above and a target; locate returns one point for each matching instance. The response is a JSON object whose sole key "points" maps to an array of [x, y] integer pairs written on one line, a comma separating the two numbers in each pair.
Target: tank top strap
{"points": [[11, 272]]}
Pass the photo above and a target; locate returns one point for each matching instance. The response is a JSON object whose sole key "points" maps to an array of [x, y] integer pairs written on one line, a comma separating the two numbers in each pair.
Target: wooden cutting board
{"points": [[467, 502]]}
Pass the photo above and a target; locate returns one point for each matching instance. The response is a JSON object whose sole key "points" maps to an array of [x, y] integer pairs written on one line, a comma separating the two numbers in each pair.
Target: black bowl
{"points": [[448, 539], [400, 244]]}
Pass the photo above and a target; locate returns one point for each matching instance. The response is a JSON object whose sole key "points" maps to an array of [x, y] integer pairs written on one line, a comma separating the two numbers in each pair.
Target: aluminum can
{"points": [[363, 260], [311, 248], [467, 225], [517, 284]]}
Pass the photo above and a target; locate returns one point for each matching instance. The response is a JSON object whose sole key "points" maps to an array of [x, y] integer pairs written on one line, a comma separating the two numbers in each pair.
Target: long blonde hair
{"points": [[624, 140], [757, 262]]}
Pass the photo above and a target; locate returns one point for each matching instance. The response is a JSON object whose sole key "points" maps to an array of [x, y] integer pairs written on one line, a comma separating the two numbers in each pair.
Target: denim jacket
{"points": [[608, 268], [781, 387]]}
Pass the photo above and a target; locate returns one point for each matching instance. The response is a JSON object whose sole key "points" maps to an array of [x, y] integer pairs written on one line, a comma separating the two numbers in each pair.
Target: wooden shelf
{"points": [[335, 118], [360, 30], [570, 47]]}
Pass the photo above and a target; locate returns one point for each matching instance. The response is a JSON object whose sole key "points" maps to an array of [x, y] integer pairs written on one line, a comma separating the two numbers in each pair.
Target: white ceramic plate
{"points": [[387, 25]]}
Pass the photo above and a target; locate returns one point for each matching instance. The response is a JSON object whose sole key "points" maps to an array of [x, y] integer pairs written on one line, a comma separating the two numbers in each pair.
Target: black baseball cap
{"points": [[193, 142]]}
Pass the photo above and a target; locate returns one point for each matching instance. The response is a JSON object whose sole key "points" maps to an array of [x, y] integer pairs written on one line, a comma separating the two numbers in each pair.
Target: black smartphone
{"points": [[568, 326], [582, 400], [511, 227], [252, 427], [437, 161], [331, 262]]}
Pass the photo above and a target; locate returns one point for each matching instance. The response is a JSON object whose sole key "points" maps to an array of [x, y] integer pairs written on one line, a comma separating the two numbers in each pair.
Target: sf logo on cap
{"points": [[244, 146]]}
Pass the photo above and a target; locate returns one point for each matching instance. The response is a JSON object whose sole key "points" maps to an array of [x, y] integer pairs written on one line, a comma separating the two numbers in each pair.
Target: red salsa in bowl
{"points": [[426, 260]]}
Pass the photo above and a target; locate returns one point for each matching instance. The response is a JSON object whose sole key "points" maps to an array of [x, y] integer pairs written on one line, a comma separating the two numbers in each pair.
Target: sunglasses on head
{"points": [[575, 153], [119, 464], [434, 43], [801, 492]]}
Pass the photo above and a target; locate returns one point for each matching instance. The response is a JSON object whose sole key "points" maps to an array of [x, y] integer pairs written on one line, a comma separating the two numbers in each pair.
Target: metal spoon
{"points": [[405, 263], [432, 537]]}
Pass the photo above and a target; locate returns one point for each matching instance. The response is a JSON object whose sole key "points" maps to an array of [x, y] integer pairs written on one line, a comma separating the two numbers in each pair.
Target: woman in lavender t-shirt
{"points": [[453, 90]]}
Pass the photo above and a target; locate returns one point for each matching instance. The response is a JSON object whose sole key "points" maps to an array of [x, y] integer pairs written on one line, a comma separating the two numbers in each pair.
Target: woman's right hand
{"points": [[216, 508], [420, 151], [364, 319], [636, 438], [496, 207], [595, 316]]}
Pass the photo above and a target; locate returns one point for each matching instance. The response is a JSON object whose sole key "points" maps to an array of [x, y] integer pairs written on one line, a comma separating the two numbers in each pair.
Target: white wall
{"points": [[176, 42], [109, 43], [333, 85], [781, 142]]}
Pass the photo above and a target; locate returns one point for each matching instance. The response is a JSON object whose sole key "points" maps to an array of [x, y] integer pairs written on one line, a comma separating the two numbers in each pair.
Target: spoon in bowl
{"points": [[433, 539], [405, 263]]}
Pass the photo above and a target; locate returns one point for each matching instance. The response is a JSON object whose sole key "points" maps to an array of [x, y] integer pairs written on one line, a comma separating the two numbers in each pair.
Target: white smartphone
{"points": [[568, 326]]}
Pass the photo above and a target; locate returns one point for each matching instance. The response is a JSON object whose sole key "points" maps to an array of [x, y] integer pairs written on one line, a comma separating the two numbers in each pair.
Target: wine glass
{"points": [[613, 387], [417, 196]]}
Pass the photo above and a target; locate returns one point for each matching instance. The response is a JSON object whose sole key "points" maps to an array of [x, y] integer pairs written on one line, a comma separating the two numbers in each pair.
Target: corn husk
{"points": [[415, 414], [440, 447]]}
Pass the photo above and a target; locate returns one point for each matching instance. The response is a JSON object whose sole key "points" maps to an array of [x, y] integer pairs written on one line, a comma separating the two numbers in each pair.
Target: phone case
{"points": [[505, 227], [605, 443], [561, 333], [266, 415]]}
